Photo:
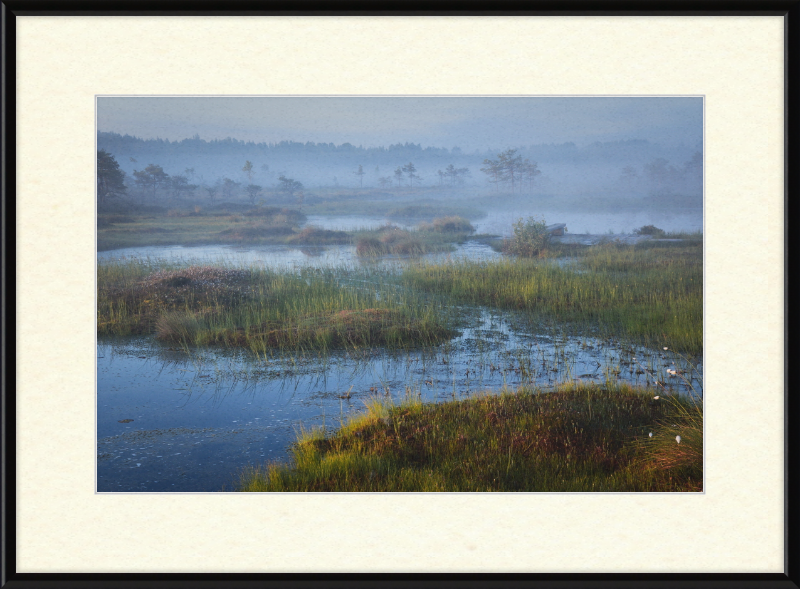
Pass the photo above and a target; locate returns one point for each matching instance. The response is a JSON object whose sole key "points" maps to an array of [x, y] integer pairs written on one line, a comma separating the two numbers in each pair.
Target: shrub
{"points": [[649, 230], [530, 238]]}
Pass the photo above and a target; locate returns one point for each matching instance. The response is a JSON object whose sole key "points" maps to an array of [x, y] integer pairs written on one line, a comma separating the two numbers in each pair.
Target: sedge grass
{"points": [[652, 296], [579, 438], [261, 310]]}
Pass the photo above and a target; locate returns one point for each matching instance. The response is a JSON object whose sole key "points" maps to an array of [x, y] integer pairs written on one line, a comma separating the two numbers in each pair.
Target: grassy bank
{"points": [[198, 226], [651, 294], [267, 225], [260, 309], [578, 438]]}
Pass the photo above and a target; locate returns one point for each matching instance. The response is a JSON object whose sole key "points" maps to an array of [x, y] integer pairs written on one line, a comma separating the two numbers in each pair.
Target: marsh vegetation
{"points": [[585, 351], [576, 438], [307, 316]]}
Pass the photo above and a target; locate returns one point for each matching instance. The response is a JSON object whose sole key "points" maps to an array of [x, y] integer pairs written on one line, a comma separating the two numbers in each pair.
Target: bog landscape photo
{"points": [[399, 294]]}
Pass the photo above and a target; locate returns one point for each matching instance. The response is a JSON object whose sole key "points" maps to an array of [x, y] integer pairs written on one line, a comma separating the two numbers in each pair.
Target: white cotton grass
{"points": [[657, 397], [678, 439], [651, 434], [666, 348]]}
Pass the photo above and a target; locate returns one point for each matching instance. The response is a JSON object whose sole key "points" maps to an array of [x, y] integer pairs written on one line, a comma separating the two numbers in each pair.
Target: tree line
{"points": [[112, 183]]}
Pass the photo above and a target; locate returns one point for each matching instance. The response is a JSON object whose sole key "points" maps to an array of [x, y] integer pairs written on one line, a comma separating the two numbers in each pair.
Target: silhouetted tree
{"points": [[410, 170], [511, 166], [288, 185], [360, 173], [248, 170], [179, 185], [229, 188], [494, 170], [252, 192], [110, 179], [529, 171], [151, 178], [212, 190], [455, 175]]}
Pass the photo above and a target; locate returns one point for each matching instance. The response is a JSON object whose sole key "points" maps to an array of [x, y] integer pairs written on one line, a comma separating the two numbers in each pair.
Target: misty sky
{"points": [[470, 123]]}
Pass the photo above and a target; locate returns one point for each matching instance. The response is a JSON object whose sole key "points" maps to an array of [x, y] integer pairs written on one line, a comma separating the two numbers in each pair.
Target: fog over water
{"points": [[620, 147]]}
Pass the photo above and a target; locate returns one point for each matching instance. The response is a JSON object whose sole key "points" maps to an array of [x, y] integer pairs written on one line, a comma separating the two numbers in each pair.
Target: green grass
{"points": [[262, 310], [579, 438], [650, 295]]}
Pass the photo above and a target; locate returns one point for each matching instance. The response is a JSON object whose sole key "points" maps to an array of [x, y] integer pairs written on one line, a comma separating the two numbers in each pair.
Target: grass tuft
{"points": [[577, 438]]}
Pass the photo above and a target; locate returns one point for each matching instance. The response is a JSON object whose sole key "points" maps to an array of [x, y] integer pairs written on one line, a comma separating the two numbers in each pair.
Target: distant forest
{"points": [[633, 167]]}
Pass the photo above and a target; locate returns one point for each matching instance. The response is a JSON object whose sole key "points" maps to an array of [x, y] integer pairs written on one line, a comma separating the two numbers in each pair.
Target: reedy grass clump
{"points": [[261, 309], [677, 442], [451, 224], [651, 296], [577, 438], [390, 239]]}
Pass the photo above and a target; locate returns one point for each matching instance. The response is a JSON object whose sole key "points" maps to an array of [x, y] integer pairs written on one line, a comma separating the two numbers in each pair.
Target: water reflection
{"points": [[281, 257]]}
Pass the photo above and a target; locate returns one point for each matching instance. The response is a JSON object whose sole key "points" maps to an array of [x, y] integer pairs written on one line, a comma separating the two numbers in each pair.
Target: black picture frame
{"points": [[689, 580]]}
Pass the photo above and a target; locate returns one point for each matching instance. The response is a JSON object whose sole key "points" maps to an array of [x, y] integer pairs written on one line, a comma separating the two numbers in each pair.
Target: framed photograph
{"points": [[454, 322]]}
